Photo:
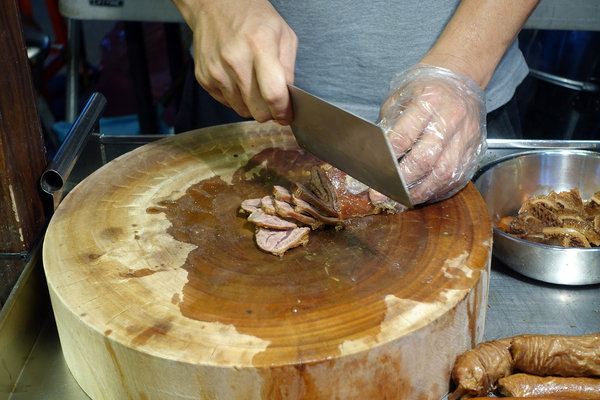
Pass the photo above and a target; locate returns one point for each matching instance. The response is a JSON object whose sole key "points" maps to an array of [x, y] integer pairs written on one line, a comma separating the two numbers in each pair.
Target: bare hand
{"points": [[244, 55], [435, 121]]}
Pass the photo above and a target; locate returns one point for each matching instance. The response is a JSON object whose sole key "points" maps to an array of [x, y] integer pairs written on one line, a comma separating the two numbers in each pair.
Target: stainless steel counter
{"points": [[516, 305]]}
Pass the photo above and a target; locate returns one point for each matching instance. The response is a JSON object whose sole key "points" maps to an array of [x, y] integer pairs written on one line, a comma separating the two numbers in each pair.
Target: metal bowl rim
{"points": [[500, 160], [528, 243]]}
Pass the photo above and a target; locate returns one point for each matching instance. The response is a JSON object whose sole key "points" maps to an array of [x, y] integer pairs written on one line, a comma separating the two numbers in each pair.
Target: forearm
{"points": [[478, 35]]}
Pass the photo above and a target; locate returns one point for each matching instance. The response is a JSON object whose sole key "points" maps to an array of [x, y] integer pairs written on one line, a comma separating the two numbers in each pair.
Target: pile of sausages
{"points": [[539, 366]]}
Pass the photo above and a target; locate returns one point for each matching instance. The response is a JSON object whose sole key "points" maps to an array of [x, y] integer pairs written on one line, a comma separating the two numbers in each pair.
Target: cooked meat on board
{"points": [[330, 198], [530, 365], [560, 219]]}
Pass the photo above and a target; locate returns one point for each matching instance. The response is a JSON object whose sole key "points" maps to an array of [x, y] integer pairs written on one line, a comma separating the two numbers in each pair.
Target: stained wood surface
{"points": [[159, 290], [22, 154]]}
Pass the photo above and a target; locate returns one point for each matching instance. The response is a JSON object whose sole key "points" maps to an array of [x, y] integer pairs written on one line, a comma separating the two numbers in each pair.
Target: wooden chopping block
{"points": [[159, 291]]}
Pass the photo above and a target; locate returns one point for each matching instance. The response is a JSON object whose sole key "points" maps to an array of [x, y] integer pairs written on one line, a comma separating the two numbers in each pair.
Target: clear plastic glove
{"points": [[435, 121], [244, 54]]}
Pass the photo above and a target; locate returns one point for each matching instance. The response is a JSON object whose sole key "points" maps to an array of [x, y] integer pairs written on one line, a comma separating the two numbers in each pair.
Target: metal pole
{"points": [[72, 87]]}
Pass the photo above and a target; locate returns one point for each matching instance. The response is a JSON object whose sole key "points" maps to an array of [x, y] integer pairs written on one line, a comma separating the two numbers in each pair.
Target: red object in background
{"points": [[56, 60]]}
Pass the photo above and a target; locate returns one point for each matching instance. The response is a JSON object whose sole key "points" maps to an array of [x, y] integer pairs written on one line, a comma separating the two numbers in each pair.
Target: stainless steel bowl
{"points": [[507, 182]]}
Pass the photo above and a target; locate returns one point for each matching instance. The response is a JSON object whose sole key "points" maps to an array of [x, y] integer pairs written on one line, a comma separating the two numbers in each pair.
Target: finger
{"points": [[410, 114], [423, 156], [440, 179], [287, 54], [235, 100], [272, 84], [454, 167], [407, 128], [274, 68], [221, 85], [446, 121]]}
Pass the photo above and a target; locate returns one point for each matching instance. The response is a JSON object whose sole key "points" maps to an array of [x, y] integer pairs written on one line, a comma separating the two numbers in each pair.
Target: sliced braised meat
{"points": [[260, 218], [285, 210], [304, 207], [266, 204], [561, 219], [384, 203], [570, 200], [302, 193], [333, 196], [250, 205], [282, 194], [347, 196], [278, 242]]}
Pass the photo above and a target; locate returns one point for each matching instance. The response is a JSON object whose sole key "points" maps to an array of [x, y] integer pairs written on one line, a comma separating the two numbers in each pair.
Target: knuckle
{"points": [[261, 36]]}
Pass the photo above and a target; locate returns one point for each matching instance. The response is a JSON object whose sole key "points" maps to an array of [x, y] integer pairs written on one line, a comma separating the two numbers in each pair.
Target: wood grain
{"points": [[22, 153], [160, 292]]}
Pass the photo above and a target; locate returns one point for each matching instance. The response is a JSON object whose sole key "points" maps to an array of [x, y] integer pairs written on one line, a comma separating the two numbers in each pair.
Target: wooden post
{"points": [[22, 152]]}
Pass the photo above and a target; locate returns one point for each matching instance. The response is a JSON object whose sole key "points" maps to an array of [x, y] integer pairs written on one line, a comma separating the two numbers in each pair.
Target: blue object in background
{"points": [[123, 125]]}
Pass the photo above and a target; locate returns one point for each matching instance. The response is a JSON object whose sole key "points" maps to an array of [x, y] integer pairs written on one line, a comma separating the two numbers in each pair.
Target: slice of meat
{"points": [[526, 385], [476, 371], [347, 196], [569, 200], [568, 237], [278, 242], [250, 205], [592, 207], [558, 355], [286, 210], [304, 207], [301, 192], [282, 194], [262, 219], [266, 204], [384, 203]]}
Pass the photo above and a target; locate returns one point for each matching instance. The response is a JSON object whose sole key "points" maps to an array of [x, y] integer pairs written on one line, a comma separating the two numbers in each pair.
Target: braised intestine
{"points": [[560, 219]]}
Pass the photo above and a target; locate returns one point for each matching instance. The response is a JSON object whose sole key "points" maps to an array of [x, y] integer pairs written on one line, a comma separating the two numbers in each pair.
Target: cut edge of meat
{"points": [[282, 194], [286, 210], [301, 192], [248, 206], [277, 242], [262, 219], [266, 203], [305, 207]]}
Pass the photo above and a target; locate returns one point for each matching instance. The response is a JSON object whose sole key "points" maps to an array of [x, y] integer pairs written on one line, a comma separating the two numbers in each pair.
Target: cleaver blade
{"points": [[348, 142]]}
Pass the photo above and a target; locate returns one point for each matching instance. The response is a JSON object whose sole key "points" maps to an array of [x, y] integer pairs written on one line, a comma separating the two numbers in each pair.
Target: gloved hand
{"points": [[435, 121], [244, 54]]}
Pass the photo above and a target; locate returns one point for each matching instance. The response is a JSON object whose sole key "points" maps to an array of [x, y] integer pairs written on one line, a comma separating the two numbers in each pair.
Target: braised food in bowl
{"points": [[507, 183]]}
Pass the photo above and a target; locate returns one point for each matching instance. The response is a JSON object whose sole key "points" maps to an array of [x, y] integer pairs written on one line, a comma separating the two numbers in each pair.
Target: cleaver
{"points": [[348, 142]]}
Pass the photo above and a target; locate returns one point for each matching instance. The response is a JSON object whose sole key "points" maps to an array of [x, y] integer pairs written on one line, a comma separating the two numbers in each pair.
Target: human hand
{"points": [[244, 54], [435, 121]]}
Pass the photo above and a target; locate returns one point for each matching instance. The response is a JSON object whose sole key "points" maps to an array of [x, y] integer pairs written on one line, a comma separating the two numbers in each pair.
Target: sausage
{"points": [[476, 371], [524, 398], [526, 385], [558, 355]]}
